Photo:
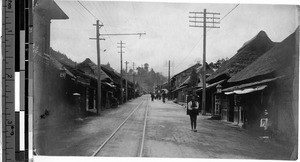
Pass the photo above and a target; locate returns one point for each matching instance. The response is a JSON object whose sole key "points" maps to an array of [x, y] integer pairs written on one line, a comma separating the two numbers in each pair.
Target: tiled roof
{"points": [[91, 69], [280, 56], [194, 66], [248, 53]]}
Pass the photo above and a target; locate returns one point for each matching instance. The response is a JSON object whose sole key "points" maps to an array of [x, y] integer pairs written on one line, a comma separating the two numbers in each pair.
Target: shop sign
{"points": [[264, 122]]}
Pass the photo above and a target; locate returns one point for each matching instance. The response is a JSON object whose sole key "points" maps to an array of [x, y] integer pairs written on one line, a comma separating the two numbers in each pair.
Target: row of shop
{"points": [[62, 89], [64, 84], [81, 80], [58, 80], [256, 89]]}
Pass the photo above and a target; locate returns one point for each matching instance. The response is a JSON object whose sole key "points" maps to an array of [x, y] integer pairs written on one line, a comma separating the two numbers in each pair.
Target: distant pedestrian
{"points": [[158, 96], [152, 96], [163, 96], [193, 111]]}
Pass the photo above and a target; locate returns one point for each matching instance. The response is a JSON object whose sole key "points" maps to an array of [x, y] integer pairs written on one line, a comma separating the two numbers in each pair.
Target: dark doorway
{"points": [[231, 108]]}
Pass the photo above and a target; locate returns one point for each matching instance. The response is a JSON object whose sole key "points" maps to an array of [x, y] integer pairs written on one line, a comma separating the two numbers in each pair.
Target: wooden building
{"points": [[107, 89], [44, 11], [116, 81], [270, 85], [179, 84], [251, 50]]}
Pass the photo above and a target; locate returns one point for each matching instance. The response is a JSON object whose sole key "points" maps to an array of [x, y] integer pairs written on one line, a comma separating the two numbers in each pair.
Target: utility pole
{"points": [[121, 52], [133, 79], [126, 86], [133, 72], [169, 73], [116, 34], [98, 26], [169, 81], [211, 17]]}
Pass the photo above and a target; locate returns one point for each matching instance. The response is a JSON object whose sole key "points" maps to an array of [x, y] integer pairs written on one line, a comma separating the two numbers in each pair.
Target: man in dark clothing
{"points": [[164, 96], [192, 110], [152, 96]]}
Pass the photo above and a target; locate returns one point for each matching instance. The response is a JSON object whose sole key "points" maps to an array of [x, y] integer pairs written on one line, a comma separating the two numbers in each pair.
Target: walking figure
{"points": [[152, 96], [164, 96], [193, 111]]}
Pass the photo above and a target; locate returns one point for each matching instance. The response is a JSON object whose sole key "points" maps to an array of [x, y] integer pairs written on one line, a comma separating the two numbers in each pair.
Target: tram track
{"points": [[144, 130], [141, 142]]}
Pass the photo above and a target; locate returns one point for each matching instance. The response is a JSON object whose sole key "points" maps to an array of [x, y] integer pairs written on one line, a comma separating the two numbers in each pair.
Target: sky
{"points": [[168, 35]]}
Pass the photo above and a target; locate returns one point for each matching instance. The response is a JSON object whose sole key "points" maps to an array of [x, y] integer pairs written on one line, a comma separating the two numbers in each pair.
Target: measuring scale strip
{"points": [[16, 46], [8, 67]]}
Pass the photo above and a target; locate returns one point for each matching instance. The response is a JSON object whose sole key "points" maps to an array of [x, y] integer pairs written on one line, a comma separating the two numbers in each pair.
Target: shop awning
{"points": [[110, 85], [83, 81], [253, 84], [247, 90], [179, 88], [211, 85], [228, 93]]}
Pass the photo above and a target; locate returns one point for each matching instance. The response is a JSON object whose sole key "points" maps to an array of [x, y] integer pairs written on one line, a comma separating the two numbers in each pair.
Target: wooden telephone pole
{"points": [[98, 26], [116, 34], [126, 86], [98, 58], [169, 73], [211, 20], [133, 79], [121, 70]]}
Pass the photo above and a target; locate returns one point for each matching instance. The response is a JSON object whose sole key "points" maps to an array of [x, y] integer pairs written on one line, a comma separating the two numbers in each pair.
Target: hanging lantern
{"points": [[219, 88]]}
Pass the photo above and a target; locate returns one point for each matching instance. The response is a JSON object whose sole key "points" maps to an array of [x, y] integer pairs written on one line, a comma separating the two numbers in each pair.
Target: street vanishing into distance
{"points": [[167, 80]]}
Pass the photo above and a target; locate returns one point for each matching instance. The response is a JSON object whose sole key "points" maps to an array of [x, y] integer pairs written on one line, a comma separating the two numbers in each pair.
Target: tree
{"points": [[218, 63], [193, 78], [146, 66], [108, 64], [148, 78]]}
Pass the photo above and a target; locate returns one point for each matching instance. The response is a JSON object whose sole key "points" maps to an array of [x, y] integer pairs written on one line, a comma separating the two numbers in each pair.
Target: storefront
{"points": [[247, 104]]}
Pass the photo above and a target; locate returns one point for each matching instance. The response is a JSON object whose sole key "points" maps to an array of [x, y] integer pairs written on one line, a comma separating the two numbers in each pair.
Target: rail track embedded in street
{"points": [[141, 146], [144, 130]]}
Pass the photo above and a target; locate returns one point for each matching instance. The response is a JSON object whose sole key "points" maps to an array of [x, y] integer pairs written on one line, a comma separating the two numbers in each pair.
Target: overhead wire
{"points": [[105, 28], [103, 17], [112, 44], [202, 37], [106, 11], [81, 15], [89, 11], [229, 12], [97, 18]]}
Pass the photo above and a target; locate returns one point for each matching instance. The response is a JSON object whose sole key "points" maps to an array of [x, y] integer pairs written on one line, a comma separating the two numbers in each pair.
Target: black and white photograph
{"points": [[165, 79]]}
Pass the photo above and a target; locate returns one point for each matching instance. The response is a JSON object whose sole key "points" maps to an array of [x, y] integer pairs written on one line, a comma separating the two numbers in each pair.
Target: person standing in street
{"points": [[152, 96], [164, 96], [193, 111]]}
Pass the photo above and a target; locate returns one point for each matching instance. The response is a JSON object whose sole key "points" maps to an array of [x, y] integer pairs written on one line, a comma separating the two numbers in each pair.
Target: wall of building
{"points": [[55, 109], [284, 101], [181, 97], [53, 100]]}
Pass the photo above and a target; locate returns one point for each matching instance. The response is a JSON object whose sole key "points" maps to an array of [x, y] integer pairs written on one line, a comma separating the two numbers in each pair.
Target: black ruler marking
{"points": [[17, 35], [17, 132]]}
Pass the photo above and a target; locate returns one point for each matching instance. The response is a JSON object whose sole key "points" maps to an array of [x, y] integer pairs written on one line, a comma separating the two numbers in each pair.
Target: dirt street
{"points": [[168, 134]]}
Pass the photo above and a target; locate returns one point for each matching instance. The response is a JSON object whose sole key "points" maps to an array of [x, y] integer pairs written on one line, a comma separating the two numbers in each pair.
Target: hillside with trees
{"points": [[145, 76]]}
